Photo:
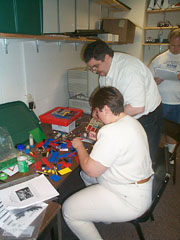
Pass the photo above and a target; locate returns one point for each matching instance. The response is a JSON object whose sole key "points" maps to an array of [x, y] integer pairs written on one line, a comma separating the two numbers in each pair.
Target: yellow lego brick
{"points": [[64, 171]]}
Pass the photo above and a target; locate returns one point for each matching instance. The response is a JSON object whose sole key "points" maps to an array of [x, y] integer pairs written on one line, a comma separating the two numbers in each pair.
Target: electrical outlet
{"points": [[30, 101], [30, 97]]}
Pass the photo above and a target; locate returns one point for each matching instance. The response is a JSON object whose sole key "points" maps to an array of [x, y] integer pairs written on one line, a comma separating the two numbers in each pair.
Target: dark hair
{"points": [[109, 96], [97, 50]]}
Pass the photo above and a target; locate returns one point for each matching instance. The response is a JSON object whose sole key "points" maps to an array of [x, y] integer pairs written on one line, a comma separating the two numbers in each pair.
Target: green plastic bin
{"points": [[19, 120]]}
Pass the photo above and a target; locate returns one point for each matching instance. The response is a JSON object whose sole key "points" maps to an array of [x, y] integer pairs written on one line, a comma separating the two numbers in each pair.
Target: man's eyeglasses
{"points": [[93, 68]]}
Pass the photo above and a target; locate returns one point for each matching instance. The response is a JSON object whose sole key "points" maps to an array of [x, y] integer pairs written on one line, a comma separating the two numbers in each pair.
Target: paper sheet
{"points": [[25, 194], [15, 223], [166, 74]]}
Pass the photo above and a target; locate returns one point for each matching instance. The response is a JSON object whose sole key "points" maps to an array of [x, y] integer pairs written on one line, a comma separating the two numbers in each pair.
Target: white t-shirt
{"points": [[134, 80], [169, 89], [122, 146]]}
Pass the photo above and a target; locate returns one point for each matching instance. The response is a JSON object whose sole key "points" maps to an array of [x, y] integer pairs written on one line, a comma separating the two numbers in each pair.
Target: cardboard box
{"points": [[121, 26]]}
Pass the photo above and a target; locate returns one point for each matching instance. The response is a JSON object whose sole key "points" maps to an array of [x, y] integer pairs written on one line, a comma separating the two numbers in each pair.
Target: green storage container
{"points": [[7, 16], [21, 16], [29, 16], [19, 120]]}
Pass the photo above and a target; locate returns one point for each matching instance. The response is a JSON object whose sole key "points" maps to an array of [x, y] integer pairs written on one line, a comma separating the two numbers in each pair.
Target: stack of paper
{"points": [[22, 203]]}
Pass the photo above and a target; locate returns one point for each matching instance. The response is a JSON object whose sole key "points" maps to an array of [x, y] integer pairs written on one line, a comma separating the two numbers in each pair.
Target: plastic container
{"points": [[52, 117], [7, 149], [22, 159]]}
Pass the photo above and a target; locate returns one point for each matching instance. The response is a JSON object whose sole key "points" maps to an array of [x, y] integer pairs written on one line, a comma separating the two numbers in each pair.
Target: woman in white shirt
{"points": [[118, 171]]}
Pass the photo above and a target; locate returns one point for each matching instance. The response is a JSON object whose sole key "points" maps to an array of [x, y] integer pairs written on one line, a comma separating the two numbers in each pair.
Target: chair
{"points": [[161, 178], [172, 129]]}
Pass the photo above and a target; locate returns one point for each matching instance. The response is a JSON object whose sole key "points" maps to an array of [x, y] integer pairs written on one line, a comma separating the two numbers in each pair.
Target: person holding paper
{"points": [[118, 172], [169, 89], [135, 81]]}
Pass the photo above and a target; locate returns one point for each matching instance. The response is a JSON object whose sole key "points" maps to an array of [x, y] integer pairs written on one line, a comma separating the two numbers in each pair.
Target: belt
{"points": [[142, 181]]}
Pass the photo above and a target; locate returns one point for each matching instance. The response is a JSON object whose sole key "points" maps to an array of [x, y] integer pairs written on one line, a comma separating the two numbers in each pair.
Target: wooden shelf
{"points": [[160, 28], [164, 10], [114, 5], [49, 38], [53, 37], [155, 44]]}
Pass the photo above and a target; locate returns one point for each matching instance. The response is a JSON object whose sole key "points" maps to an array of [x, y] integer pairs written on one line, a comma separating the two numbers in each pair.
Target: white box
{"points": [[115, 38], [66, 129], [105, 36]]}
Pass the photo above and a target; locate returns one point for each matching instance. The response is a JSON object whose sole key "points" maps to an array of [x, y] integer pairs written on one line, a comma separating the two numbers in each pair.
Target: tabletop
{"points": [[81, 124]]}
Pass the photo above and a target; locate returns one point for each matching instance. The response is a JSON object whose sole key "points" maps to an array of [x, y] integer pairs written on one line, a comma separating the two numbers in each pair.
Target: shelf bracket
{"points": [[59, 45], [37, 46], [75, 46], [6, 45], [160, 48]]}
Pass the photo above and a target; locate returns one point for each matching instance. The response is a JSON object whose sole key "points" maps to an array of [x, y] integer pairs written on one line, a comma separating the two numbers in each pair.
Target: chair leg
{"points": [[174, 157], [152, 217], [138, 230], [174, 172]]}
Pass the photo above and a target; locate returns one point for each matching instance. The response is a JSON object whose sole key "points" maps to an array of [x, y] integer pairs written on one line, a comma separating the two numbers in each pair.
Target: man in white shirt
{"points": [[169, 89], [135, 81]]}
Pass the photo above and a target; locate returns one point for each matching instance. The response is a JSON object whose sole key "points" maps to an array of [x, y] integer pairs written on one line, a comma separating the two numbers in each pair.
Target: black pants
{"points": [[152, 124]]}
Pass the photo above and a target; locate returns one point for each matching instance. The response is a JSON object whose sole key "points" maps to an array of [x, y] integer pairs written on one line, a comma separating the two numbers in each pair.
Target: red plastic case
{"points": [[49, 118]]}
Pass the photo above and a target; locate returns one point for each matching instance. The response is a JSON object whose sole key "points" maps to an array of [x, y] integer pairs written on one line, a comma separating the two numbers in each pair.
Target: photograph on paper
{"points": [[28, 193]]}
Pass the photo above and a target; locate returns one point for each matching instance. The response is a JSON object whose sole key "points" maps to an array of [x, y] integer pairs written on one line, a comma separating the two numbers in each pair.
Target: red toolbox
{"points": [[61, 117]]}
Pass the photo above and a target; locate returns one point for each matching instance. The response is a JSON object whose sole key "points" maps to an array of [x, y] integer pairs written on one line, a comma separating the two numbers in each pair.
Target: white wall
{"points": [[137, 16], [44, 74], [12, 75]]}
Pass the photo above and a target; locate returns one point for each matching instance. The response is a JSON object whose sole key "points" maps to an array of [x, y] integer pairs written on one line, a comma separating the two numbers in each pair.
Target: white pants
{"points": [[96, 203]]}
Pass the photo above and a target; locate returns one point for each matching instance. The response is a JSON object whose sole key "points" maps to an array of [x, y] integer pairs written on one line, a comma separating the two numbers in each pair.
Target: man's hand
{"points": [[178, 76], [158, 80], [132, 111]]}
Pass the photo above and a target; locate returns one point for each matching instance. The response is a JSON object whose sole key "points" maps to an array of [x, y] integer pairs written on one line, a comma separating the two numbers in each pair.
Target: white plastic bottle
{"points": [[31, 140], [22, 159]]}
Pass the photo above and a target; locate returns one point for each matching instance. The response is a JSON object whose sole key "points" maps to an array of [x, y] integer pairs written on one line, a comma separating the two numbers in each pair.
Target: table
{"points": [[81, 124], [51, 225], [52, 221]]}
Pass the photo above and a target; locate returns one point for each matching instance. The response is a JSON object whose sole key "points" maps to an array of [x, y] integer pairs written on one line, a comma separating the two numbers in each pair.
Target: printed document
{"points": [[25, 194], [17, 222]]}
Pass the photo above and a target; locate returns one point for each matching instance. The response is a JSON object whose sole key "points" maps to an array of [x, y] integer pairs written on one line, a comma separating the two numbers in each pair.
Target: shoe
{"points": [[171, 160]]}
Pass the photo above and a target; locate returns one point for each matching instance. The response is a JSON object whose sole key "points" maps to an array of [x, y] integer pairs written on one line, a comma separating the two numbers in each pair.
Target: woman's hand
{"points": [[158, 80], [92, 135], [76, 142], [94, 114]]}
